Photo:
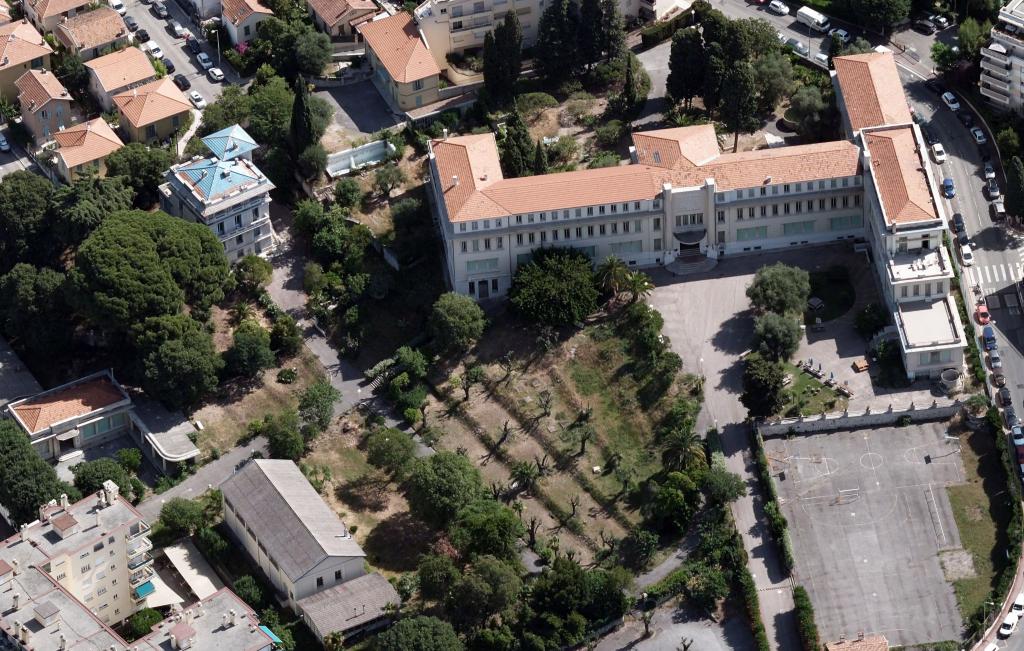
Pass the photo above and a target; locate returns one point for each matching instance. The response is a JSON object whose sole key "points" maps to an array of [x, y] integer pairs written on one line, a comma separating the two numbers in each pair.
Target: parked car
{"points": [[131, 23], [929, 136], [169, 65], [821, 59], [992, 188], [979, 136], [1009, 625], [934, 86], [1010, 416], [153, 49], [197, 100], [966, 255], [939, 21], [965, 118], [204, 60], [844, 36], [948, 188], [4, 145], [925, 27], [990, 172], [996, 360], [1018, 604], [142, 35], [159, 10], [939, 153], [798, 46], [958, 223], [962, 239], [982, 314], [999, 379], [1017, 434], [215, 74], [997, 210], [1005, 398], [118, 6], [988, 336], [950, 100], [176, 28], [194, 46], [182, 82], [1020, 467], [778, 7]]}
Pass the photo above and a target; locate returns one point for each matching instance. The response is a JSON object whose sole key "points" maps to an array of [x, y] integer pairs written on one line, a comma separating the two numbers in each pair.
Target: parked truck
{"points": [[813, 19]]}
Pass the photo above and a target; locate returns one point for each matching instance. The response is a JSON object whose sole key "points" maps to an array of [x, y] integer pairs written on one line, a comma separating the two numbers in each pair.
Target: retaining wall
{"points": [[853, 420]]}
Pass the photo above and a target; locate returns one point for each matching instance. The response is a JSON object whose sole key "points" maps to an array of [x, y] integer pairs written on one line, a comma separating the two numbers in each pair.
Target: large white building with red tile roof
{"points": [[681, 197]]}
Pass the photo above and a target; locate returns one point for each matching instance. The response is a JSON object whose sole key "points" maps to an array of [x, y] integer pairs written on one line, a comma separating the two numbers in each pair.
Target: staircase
{"points": [[691, 261]]}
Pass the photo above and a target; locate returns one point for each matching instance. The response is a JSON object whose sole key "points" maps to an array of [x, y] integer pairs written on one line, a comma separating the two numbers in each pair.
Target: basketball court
{"points": [[868, 516]]}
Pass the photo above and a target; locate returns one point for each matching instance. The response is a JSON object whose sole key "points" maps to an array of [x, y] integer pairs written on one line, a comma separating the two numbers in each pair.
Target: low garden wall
{"points": [[867, 418], [350, 160]]}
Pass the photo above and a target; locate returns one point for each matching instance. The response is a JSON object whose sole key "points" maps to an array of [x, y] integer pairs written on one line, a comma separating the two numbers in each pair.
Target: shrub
{"points": [[555, 288], [530, 104], [211, 542], [250, 591], [637, 549], [347, 193], [130, 459], [609, 134], [805, 619], [285, 336], [141, 623], [456, 322], [390, 449], [603, 159], [870, 320]]}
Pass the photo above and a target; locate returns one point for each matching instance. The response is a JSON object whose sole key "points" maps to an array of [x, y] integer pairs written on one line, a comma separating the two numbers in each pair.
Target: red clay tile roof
{"points": [[897, 168], [871, 89], [36, 88], [396, 41], [151, 103], [91, 29], [237, 11], [86, 142], [332, 11], [64, 521], [79, 399], [49, 8], [122, 68], [20, 43]]}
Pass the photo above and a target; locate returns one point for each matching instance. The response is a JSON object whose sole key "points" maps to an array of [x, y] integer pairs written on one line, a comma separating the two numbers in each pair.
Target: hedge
{"points": [[663, 30], [805, 620], [753, 606], [776, 521]]}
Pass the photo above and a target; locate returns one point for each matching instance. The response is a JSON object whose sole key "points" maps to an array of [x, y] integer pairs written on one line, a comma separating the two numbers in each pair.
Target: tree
{"points": [[347, 193], [176, 359], [639, 285], [673, 502], [388, 177], [141, 623], [437, 574], [26, 481], [249, 591], [739, 102], [312, 52], [945, 57], [682, 449], [285, 336], [441, 485], [90, 475], [637, 549], [391, 449], [233, 106], [489, 587], [515, 148], [611, 35], [722, 486], [1015, 187], [777, 336], [629, 102], [589, 44], [24, 225], [250, 350], [972, 36], [252, 273], [685, 67], [763, 393], [540, 159], [556, 49], [807, 106], [143, 167], [859, 45], [612, 275], [182, 516], [34, 309], [456, 322], [301, 131], [312, 162], [72, 72], [130, 459], [555, 288], [486, 527], [271, 110], [1008, 142], [421, 633], [884, 13], [774, 79], [79, 208], [316, 406], [780, 288], [284, 439], [503, 60], [342, 244]]}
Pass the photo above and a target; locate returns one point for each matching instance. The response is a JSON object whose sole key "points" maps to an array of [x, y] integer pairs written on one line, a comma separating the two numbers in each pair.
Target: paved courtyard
{"points": [[359, 108], [869, 516]]}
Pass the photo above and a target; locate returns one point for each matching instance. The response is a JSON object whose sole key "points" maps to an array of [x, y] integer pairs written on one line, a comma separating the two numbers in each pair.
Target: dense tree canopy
{"points": [[90, 475], [421, 633], [486, 527], [316, 406], [777, 336], [780, 288], [456, 322], [182, 516], [34, 309], [503, 53], [143, 167], [686, 67], [763, 393], [555, 288], [80, 207], [24, 227], [441, 485], [390, 449], [176, 359], [26, 481], [250, 352], [490, 587], [141, 623]]}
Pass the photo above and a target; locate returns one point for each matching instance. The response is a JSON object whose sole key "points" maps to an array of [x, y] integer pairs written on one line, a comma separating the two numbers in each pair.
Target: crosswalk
{"points": [[994, 275]]}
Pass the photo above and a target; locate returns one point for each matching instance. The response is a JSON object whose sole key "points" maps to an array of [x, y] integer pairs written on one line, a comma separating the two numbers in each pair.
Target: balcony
{"points": [[142, 546], [992, 53], [995, 95], [996, 70], [140, 593], [140, 528], [997, 85], [140, 577], [140, 561]]}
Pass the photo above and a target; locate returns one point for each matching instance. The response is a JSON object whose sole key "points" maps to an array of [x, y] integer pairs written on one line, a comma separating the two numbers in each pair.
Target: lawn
{"points": [[981, 517], [832, 286], [806, 396]]}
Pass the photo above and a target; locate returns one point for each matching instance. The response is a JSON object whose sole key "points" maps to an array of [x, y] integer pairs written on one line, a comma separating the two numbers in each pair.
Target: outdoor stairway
{"points": [[691, 263]]}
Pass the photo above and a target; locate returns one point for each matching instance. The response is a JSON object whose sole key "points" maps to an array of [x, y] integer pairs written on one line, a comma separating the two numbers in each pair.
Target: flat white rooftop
{"points": [[920, 265], [930, 324]]}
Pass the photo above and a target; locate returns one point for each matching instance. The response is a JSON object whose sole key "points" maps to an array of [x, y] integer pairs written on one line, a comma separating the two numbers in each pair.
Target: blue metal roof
{"points": [[230, 142], [213, 178]]}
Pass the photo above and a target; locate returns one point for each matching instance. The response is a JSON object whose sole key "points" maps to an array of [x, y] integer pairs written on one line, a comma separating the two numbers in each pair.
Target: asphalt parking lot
{"points": [[358, 108], [870, 519]]}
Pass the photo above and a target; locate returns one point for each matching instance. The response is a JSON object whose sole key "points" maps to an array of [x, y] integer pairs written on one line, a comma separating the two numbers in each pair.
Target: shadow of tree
{"points": [[396, 543], [366, 493]]}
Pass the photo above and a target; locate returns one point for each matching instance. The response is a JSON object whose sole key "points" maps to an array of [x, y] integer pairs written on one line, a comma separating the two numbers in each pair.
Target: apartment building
{"points": [[22, 48], [225, 191], [1002, 60], [68, 577], [680, 197], [303, 548], [45, 104]]}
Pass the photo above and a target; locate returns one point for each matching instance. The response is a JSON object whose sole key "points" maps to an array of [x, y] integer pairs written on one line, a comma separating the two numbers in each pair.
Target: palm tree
{"points": [[611, 275], [639, 285], [682, 449]]}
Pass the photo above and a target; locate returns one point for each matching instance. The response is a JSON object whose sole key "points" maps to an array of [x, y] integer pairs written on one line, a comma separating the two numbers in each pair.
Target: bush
{"points": [[347, 193], [211, 543], [130, 459], [182, 516], [763, 393], [284, 437], [776, 336], [637, 549], [805, 620], [870, 320], [555, 288], [609, 134], [285, 336], [456, 322], [141, 623], [529, 104], [391, 449], [250, 591], [663, 30], [250, 351]]}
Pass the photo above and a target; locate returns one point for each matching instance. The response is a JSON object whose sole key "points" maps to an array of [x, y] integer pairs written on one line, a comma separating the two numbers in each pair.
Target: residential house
{"points": [[302, 547], [225, 191], [47, 14], [404, 71], [85, 147], [118, 72], [82, 568], [45, 104], [91, 34], [339, 18], [1002, 60], [240, 18], [681, 198], [154, 112], [22, 48]]}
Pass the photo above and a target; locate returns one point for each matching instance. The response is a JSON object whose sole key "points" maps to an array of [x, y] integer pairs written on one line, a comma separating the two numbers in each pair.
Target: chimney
{"points": [[232, 615], [252, 627], [860, 635], [17, 566], [103, 499], [16, 600], [112, 491], [21, 535], [224, 620], [174, 641], [64, 501], [63, 643], [24, 635], [455, 180], [445, 132], [767, 179]]}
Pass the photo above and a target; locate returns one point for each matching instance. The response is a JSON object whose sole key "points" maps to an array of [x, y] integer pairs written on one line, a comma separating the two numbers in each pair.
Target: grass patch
{"points": [[982, 520], [807, 396], [832, 286]]}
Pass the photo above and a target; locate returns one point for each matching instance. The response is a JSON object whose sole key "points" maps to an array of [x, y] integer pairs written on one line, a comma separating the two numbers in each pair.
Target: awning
{"points": [[68, 435], [163, 594], [270, 634], [192, 567], [690, 237]]}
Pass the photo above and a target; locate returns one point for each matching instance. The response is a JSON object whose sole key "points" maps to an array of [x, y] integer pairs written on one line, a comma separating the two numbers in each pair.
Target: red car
{"points": [[982, 315]]}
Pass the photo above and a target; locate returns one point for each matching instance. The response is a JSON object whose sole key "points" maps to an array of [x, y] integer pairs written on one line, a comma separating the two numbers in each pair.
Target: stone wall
{"points": [[852, 420]]}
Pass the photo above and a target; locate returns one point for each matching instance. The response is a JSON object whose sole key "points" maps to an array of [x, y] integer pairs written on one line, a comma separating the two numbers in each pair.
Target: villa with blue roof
{"points": [[225, 191]]}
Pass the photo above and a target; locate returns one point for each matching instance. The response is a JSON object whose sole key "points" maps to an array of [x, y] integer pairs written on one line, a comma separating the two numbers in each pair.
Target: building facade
{"points": [[154, 112], [339, 18], [118, 72], [681, 198], [227, 192], [22, 48], [47, 14], [83, 148], [241, 17], [403, 68], [45, 104], [1002, 60]]}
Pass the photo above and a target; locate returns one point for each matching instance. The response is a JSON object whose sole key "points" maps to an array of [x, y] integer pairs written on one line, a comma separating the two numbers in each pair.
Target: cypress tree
{"points": [[540, 159]]}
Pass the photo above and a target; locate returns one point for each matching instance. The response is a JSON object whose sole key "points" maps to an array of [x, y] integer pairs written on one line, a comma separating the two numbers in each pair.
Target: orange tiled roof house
{"points": [[404, 71], [680, 200]]}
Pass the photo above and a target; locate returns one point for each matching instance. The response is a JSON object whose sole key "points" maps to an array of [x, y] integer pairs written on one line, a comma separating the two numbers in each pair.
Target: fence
{"points": [[866, 418]]}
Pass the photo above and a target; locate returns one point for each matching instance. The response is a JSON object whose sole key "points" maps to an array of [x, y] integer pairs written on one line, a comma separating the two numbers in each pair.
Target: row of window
{"points": [[796, 207], [786, 188], [798, 228], [599, 230], [589, 211], [222, 229], [909, 291]]}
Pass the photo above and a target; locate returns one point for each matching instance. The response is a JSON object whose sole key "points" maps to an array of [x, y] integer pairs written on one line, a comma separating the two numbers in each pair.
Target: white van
{"points": [[813, 19], [1018, 604]]}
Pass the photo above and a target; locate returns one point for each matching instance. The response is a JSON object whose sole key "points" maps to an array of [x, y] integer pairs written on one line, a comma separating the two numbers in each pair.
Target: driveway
{"points": [[359, 108], [15, 160], [671, 626]]}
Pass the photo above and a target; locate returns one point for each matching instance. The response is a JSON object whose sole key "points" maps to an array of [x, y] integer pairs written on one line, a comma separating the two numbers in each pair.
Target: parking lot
{"points": [[871, 526], [358, 109]]}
